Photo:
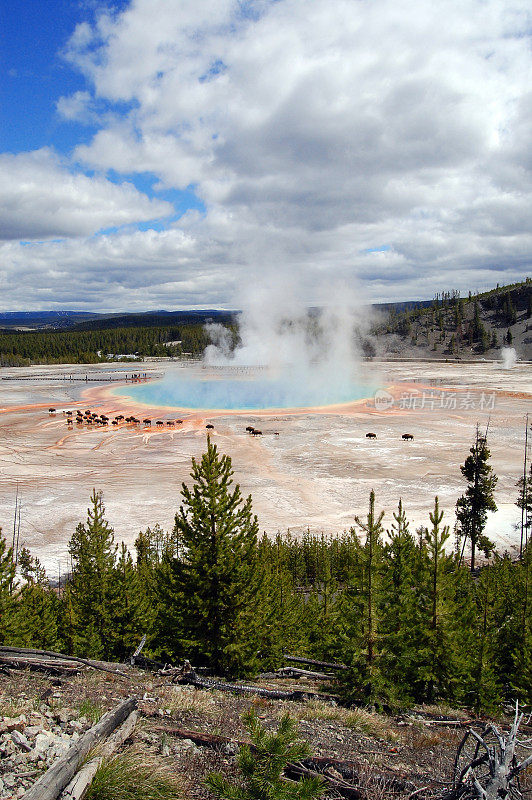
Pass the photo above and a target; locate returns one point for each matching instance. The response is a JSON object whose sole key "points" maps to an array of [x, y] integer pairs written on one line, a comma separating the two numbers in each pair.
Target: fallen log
{"points": [[293, 672], [193, 679], [80, 783], [26, 651], [54, 667], [56, 778], [318, 765], [314, 663], [345, 789]]}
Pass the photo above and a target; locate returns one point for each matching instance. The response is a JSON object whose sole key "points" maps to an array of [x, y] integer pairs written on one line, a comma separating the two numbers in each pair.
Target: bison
{"points": [[250, 429], [407, 436], [209, 426], [371, 435], [255, 432]]}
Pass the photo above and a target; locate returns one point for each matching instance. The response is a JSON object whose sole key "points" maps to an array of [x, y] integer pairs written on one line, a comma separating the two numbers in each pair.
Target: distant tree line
{"points": [[83, 347], [413, 622]]}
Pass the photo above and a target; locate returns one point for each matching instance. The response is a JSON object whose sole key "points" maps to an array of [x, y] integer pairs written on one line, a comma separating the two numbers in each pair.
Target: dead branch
{"points": [[293, 672], [314, 663], [488, 765]]}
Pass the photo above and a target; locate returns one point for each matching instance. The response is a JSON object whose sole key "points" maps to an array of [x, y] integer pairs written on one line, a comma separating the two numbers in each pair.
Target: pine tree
{"points": [[401, 617], [7, 576], [210, 594], [360, 611], [473, 506], [91, 589], [437, 670], [261, 766], [130, 607]]}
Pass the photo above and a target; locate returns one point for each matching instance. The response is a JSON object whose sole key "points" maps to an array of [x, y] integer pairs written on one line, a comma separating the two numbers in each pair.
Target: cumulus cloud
{"points": [[382, 139], [41, 198]]}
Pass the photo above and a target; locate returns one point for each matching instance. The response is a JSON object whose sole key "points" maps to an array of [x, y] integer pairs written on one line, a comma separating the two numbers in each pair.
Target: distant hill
{"points": [[36, 320], [460, 327], [157, 319]]}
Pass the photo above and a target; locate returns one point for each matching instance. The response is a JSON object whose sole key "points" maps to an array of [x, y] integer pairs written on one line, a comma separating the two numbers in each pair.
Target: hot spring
{"points": [[230, 388]]}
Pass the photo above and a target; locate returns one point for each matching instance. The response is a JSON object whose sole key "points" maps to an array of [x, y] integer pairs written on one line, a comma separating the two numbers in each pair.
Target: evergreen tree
{"points": [[473, 506], [262, 765], [211, 593], [401, 617], [91, 587], [130, 608], [7, 576], [437, 669], [360, 612]]}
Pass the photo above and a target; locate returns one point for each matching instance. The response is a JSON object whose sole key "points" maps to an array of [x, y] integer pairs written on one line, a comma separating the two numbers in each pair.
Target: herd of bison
{"points": [[101, 420]]}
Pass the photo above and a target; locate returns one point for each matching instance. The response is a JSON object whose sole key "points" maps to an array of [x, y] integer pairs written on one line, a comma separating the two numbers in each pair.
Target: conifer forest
{"points": [[426, 615]]}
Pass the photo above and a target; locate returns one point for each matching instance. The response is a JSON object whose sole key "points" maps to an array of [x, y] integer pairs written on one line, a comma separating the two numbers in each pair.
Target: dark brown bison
{"points": [[209, 426], [146, 421], [51, 410], [255, 432], [250, 429], [159, 423], [371, 435], [407, 436], [179, 422]]}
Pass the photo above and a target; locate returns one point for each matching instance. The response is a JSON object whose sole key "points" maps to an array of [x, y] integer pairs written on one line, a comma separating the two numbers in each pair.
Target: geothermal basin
{"points": [[312, 467]]}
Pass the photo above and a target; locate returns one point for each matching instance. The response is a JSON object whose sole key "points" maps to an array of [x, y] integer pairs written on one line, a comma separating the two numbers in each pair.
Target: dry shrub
{"points": [[178, 700]]}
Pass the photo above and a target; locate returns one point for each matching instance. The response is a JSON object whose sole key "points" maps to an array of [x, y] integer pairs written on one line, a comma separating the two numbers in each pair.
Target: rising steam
{"points": [[508, 357], [287, 356]]}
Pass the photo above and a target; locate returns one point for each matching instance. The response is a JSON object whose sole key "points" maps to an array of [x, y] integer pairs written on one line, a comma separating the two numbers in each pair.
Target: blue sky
{"points": [[169, 153]]}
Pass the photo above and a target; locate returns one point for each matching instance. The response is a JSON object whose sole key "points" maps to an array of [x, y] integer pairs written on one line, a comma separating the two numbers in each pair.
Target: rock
{"points": [[8, 725], [165, 750], [231, 748], [63, 715], [31, 731], [75, 725], [9, 779]]}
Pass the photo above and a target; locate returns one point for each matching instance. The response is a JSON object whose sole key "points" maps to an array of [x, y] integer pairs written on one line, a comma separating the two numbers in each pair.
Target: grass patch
{"points": [[369, 724], [134, 776], [88, 708], [14, 707], [192, 700]]}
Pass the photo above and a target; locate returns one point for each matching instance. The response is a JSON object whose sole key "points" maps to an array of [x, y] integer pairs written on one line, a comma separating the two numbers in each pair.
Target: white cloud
{"points": [[313, 132], [41, 198]]}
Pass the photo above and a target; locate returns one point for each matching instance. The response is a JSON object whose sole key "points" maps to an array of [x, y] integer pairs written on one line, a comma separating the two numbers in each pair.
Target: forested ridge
{"points": [[403, 609], [94, 346], [453, 325]]}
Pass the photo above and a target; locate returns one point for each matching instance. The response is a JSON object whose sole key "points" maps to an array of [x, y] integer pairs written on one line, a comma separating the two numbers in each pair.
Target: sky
{"points": [[166, 153]]}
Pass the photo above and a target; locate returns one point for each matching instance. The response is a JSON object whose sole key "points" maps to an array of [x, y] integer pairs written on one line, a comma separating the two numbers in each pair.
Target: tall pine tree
{"points": [[91, 588], [210, 592], [473, 506]]}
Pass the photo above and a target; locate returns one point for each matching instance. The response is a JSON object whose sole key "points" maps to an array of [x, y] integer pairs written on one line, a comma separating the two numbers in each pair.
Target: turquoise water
{"points": [[224, 393]]}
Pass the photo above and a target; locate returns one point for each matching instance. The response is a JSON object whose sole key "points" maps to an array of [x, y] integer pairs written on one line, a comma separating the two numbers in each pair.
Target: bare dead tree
{"points": [[489, 764]]}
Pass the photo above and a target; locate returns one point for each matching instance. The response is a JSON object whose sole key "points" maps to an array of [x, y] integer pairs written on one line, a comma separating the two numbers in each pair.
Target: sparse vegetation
{"points": [[133, 776]]}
